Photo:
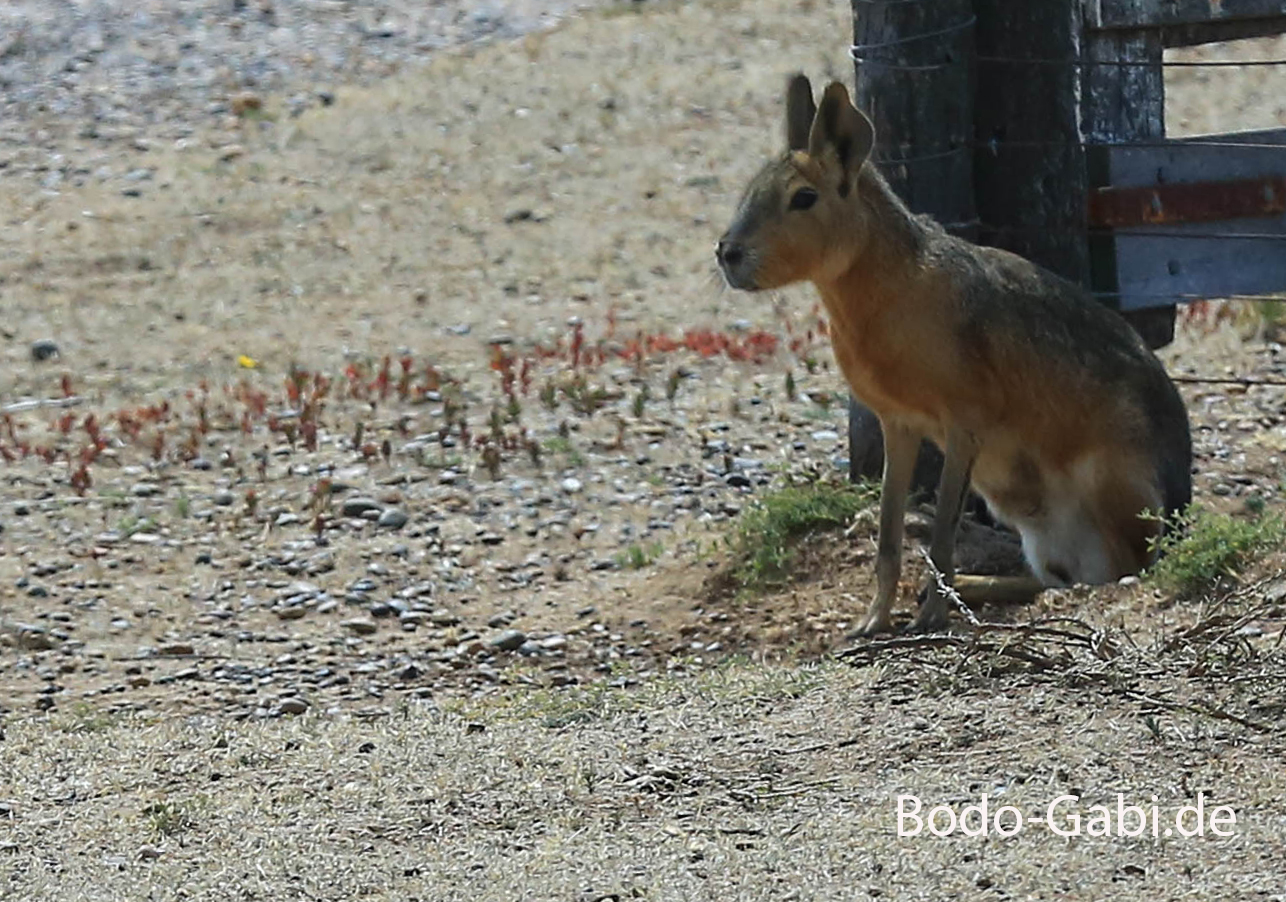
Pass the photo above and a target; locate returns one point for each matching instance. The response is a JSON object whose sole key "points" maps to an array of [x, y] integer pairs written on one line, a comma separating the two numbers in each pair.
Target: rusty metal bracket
{"points": [[1120, 208]]}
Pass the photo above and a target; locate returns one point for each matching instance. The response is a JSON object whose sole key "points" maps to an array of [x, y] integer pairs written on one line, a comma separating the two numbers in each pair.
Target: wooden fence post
{"points": [[1029, 166], [1122, 101], [914, 67]]}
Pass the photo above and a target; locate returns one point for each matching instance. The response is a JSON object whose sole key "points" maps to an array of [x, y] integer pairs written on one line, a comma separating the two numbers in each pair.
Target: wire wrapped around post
{"points": [[913, 62]]}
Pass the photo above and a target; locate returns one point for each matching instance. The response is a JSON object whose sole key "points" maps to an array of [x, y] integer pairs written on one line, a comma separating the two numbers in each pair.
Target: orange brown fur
{"points": [[1044, 401]]}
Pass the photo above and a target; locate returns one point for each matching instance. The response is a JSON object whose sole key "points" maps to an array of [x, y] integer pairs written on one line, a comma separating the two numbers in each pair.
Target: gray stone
{"points": [[34, 638], [360, 625], [392, 518], [292, 705], [44, 349], [509, 640], [356, 507]]}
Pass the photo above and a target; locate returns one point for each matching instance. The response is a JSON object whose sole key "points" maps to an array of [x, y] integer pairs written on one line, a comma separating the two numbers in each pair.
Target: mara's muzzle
{"points": [[736, 263]]}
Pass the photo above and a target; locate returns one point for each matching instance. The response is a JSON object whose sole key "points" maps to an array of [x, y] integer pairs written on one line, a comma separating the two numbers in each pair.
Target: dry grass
{"points": [[756, 783]]}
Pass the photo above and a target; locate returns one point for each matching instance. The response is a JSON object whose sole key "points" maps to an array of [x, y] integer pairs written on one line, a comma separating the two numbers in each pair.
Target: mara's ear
{"points": [[800, 111], [843, 129]]}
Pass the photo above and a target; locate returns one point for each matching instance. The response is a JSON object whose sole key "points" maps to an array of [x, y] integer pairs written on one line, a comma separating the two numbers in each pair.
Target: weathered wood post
{"points": [[1029, 166], [1122, 100], [914, 66]]}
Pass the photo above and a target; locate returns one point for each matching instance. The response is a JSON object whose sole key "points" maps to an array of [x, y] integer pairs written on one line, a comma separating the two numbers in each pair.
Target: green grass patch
{"points": [[172, 818], [561, 444], [85, 718], [763, 543], [636, 557], [132, 525], [1201, 549]]}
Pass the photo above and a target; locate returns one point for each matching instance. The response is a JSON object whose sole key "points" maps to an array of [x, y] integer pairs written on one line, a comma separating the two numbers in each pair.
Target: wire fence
{"points": [[929, 53], [943, 48]]}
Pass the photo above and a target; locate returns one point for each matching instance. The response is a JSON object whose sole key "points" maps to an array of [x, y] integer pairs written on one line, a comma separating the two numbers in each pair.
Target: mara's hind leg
{"points": [[1128, 511], [1096, 530], [960, 453]]}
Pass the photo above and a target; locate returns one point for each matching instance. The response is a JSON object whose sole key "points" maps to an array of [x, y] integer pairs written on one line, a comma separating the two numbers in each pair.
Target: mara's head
{"points": [[799, 218]]}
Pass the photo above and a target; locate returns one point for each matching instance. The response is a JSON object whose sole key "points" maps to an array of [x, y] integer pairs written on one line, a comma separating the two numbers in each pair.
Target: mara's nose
{"points": [[729, 253]]}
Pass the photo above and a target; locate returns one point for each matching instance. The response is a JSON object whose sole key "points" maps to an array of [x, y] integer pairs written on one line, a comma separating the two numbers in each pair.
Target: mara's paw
{"points": [[873, 624], [932, 617], [926, 624]]}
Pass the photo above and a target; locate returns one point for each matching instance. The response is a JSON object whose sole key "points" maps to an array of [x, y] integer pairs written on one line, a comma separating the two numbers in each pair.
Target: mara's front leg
{"points": [[960, 453], [901, 445]]}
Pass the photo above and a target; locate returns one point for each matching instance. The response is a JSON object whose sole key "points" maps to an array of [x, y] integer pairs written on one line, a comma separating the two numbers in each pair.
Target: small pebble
{"points": [[356, 507], [509, 640], [44, 349], [360, 625], [34, 638], [392, 518], [292, 706]]}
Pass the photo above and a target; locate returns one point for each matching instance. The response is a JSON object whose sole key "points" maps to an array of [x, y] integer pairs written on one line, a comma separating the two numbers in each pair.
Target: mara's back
{"points": [[1061, 358]]}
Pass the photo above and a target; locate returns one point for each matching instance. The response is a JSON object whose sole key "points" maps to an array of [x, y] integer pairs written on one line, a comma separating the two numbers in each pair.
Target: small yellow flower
{"points": [[248, 363]]}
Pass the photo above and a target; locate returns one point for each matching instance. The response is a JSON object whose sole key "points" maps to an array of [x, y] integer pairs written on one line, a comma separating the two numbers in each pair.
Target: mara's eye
{"points": [[803, 199]]}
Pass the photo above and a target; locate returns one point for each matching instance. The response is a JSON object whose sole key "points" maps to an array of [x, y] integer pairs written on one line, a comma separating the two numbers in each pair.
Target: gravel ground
{"points": [[201, 578], [222, 562], [103, 74]]}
